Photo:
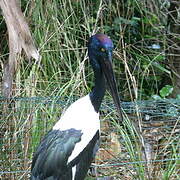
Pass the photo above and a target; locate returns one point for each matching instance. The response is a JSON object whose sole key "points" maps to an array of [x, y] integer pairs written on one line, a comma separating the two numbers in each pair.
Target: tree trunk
{"points": [[19, 38]]}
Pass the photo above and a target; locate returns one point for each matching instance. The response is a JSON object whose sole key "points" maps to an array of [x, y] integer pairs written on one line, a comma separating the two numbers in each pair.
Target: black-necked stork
{"points": [[66, 152]]}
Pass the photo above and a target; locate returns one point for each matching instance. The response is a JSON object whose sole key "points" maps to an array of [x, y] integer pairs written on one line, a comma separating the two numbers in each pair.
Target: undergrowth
{"points": [[61, 29]]}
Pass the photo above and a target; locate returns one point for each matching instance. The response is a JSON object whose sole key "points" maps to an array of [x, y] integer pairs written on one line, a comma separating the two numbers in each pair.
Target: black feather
{"points": [[50, 159]]}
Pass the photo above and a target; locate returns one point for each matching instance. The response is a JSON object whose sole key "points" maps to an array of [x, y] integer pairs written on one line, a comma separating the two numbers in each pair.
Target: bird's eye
{"points": [[102, 50]]}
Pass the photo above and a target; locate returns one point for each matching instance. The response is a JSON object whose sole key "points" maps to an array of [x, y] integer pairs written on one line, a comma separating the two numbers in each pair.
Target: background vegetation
{"points": [[140, 31], [61, 30]]}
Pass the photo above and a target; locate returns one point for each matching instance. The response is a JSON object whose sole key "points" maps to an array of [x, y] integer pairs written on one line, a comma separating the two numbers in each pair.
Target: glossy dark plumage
{"points": [[53, 152], [66, 152]]}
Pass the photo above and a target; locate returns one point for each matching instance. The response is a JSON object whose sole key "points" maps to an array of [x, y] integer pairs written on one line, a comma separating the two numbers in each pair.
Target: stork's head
{"points": [[100, 49]]}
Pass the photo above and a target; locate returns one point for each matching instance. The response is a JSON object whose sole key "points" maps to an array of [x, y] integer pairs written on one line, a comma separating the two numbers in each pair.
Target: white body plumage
{"points": [[80, 115]]}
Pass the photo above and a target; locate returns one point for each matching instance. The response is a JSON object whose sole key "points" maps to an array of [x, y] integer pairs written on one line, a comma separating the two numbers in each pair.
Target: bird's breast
{"points": [[80, 115]]}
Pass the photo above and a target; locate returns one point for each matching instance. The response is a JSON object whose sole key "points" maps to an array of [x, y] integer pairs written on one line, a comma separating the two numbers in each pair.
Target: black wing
{"points": [[84, 159], [50, 159]]}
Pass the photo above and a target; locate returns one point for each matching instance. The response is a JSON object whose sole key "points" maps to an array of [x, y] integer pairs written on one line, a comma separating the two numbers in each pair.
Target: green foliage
{"points": [[60, 29], [163, 93], [178, 96], [166, 91]]}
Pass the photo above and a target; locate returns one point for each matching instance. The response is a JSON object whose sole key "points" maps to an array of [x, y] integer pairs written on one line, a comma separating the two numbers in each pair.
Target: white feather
{"points": [[80, 115], [73, 172]]}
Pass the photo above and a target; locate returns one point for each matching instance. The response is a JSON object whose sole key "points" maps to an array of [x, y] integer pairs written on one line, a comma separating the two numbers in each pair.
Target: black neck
{"points": [[98, 91]]}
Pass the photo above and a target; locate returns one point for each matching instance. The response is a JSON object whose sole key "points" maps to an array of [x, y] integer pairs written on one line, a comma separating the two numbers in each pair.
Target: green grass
{"points": [[61, 29]]}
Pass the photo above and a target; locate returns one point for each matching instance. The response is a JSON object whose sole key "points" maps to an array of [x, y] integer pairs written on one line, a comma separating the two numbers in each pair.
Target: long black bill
{"points": [[110, 78]]}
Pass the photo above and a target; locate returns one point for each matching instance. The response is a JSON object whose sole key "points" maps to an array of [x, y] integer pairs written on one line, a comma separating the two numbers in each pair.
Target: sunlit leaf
{"points": [[166, 91]]}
